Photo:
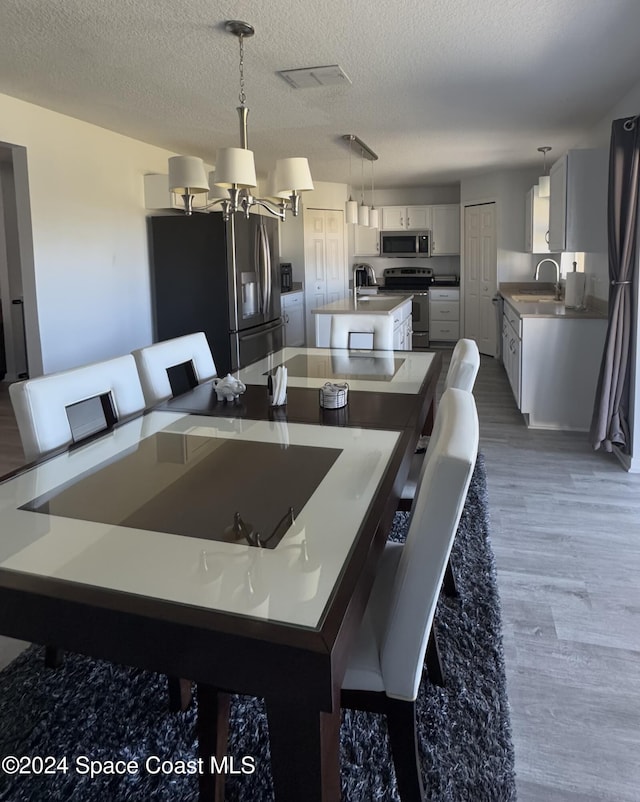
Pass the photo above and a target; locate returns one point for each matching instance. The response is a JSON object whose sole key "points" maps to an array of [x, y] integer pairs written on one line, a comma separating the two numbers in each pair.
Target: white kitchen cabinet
{"points": [[366, 241], [444, 314], [445, 229], [293, 316], [512, 349], [402, 327], [553, 365], [536, 221], [578, 201], [406, 218]]}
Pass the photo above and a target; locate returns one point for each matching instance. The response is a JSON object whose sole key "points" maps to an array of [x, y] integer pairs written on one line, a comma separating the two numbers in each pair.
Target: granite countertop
{"points": [[550, 308], [367, 304]]}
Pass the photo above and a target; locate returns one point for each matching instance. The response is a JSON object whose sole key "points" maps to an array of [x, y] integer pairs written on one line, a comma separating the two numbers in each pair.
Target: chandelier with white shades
{"points": [[235, 173]]}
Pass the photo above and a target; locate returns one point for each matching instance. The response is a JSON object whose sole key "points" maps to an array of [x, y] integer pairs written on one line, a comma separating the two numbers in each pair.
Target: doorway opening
{"points": [[16, 262]]}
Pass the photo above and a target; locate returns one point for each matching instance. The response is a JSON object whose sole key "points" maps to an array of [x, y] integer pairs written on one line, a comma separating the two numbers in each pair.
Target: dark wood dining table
{"points": [[161, 545]]}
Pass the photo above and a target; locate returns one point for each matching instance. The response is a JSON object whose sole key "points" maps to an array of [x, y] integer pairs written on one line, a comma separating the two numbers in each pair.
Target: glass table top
{"points": [[377, 371], [148, 510]]}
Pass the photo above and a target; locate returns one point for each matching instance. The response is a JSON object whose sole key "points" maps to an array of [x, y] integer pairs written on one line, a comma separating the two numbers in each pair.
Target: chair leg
{"points": [[434, 664], [403, 737], [53, 656], [449, 582], [179, 694]]}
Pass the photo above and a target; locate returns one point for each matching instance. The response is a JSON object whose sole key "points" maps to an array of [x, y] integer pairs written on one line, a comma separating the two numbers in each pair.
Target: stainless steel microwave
{"points": [[405, 243]]}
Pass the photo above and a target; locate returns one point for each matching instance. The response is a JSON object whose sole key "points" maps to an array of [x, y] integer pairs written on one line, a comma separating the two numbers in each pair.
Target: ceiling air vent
{"points": [[308, 77]]}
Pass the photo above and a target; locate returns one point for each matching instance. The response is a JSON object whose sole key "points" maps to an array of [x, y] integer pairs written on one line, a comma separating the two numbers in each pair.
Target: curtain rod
{"points": [[365, 150]]}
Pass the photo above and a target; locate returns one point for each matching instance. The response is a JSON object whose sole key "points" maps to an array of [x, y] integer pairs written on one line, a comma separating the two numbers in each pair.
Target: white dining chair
{"points": [[60, 408], [173, 366], [384, 668], [379, 329], [462, 372]]}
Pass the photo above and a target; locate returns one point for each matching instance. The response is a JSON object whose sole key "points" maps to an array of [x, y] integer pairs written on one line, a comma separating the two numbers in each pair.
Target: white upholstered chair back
{"points": [[153, 361], [40, 404], [464, 366], [441, 495], [380, 326]]}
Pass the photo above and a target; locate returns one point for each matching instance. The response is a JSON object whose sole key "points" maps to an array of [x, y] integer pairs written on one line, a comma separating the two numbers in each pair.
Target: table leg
{"points": [[305, 752], [213, 735], [431, 416]]}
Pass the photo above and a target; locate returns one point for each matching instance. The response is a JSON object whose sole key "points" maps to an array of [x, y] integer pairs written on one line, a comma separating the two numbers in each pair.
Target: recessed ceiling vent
{"points": [[309, 77]]}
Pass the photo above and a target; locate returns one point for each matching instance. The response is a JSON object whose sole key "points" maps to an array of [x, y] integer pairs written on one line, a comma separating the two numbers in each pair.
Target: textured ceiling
{"points": [[440, 88]]}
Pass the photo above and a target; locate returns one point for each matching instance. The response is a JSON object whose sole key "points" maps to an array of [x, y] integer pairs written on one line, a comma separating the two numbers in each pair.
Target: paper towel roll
{"points": [[574, 290]]}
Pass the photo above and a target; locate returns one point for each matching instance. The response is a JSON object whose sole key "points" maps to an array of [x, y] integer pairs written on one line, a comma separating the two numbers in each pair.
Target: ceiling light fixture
{"points": [[363, 209], [544, 181], [363, 212], [373, 212], [351, 206], [235, 168]]}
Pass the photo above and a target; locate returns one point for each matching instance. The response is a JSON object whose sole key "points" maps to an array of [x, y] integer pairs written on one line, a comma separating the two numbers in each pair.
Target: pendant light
{"points": [[359, 212], [544, 181], [363, 209], [235, 173], [351, 206], [373, 212]]}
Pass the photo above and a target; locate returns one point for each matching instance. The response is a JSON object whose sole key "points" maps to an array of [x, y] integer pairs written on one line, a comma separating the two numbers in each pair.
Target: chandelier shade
{"points": [[187, 175], [235, 167], [293, 175], [373, 218], [216, 192], [363, 215]]}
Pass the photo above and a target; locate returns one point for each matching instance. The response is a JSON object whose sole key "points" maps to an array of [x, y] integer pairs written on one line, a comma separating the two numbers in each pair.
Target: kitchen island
{"points": [[399, 306], [551, 355]]}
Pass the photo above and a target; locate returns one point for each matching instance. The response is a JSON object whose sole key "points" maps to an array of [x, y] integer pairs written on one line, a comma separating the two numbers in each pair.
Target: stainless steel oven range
{"points": [[416, 280]]}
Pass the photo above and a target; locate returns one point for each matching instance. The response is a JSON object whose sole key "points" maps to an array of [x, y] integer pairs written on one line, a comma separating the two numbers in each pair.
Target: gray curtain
{"points": [[610, 422]]}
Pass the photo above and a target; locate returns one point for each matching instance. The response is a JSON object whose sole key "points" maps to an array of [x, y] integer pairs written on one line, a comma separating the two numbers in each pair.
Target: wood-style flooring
{"points": [[565, 525]]}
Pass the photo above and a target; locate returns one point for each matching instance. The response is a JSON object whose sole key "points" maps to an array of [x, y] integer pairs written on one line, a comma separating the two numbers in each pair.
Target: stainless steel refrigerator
{"points": [[220, 278]]}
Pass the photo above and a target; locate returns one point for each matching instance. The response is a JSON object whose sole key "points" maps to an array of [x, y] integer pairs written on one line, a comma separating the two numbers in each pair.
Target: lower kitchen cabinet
{"points": [[512, 349], [444, 315], [293, 315], [402, 328], [553, 365]]}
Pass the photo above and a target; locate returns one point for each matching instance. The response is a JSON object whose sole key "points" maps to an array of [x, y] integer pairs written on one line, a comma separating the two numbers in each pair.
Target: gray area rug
{"points": [[100, 711]]}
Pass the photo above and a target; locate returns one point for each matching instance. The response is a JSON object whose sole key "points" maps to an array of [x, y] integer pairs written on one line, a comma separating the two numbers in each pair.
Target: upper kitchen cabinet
{"points": [[366, 241], [445, 229], [536, 232], [578, 201], [406, 218]]}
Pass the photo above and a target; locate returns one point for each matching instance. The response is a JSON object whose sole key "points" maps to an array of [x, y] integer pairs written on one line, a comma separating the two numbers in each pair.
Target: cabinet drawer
{"points": [[512, 317], [289, 299], [444, 310], [443, 295], [441, 330]]}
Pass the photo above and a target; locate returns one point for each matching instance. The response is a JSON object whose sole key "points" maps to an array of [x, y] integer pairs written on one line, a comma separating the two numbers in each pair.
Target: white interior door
{"points": [[326, 277], [480, 276]]}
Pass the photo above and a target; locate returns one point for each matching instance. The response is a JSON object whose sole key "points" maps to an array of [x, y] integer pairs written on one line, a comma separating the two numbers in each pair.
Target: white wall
{"points": [[89, 234], [508, 189]]}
